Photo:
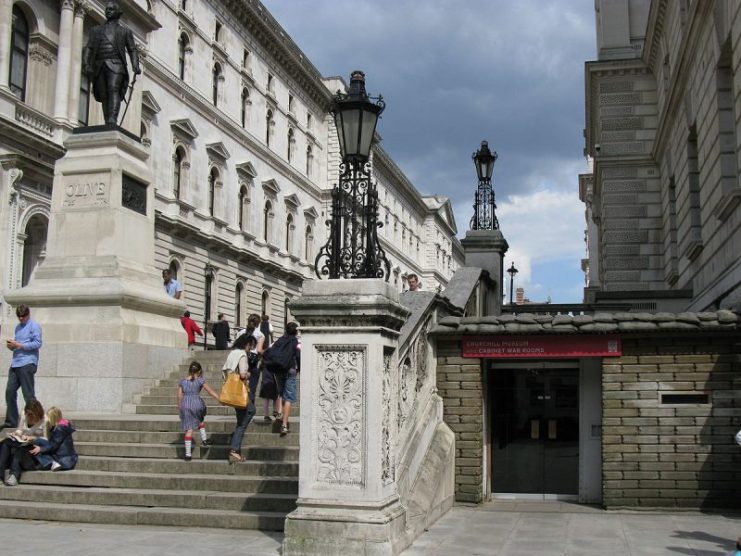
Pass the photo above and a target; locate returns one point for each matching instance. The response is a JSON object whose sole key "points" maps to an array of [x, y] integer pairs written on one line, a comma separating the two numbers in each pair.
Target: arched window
{"points": [[245, 105], [289, 233], [286, 314], [177, 178], [213, 178], [309, 122], [34, 246], [183, 43], [174, 268], [290, 140], [244, 207], [238, 292], [19, 54], [309, 160], [266, 216], [183, 4], [217, 31], [265, 303], [268, 126], [216, 78], [309, 244]]}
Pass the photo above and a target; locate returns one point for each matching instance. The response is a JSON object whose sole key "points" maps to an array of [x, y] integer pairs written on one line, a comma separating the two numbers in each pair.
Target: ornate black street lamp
{"points": [[353, 249], [484, 205], [511, 271]]}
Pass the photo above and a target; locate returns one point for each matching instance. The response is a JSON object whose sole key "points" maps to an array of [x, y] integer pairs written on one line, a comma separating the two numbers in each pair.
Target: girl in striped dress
{"points": [[191, 406]]}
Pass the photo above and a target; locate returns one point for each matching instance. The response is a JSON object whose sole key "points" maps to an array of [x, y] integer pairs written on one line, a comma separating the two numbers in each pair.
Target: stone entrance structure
{"points": [[669, 405]]}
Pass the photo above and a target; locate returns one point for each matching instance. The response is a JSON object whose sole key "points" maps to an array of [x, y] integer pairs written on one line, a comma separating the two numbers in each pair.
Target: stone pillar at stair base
{"points": [[348, 497], [107, 324]]}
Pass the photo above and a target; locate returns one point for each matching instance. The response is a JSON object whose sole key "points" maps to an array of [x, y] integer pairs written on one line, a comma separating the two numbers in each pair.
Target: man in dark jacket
{"points": [[220, 330], [104, 61]]}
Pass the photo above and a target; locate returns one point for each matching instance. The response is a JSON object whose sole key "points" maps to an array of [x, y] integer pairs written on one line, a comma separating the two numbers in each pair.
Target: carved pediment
{"points": [[218, 151], [246, 169], [150, 106], [310, 213], [292, 201], [184, 128], [271, 187]]}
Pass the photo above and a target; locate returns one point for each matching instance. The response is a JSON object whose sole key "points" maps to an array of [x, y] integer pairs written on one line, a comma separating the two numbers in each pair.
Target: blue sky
{"points": [[453, 73]]}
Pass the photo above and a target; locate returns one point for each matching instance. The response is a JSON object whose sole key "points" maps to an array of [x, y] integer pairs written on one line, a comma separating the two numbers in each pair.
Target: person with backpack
{"points": [[283, 359]]}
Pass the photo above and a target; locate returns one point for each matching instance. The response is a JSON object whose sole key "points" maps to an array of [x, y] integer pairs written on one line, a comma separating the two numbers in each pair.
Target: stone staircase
{"points": [[131, 469]]}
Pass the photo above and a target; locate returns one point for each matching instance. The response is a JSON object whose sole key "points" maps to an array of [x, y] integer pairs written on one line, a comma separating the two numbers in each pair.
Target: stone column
{"points": [[348, 495], [485, 249], [64, 59], [109, 327], [6, 29], [74, 78]]}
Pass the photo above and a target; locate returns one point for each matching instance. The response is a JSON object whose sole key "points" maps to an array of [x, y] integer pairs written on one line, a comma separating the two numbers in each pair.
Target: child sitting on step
{"points": [[58, 452], [191, 406]]}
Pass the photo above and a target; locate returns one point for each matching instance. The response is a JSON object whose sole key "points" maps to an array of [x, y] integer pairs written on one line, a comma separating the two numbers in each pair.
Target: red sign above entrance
{"points": [[542, 347]]}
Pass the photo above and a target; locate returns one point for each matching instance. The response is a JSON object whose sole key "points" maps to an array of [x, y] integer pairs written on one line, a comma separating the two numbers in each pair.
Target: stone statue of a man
{"points": [[104, 61]]}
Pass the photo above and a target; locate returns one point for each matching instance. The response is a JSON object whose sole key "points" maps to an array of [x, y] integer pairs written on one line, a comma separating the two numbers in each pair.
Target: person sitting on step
{"points": [[15, 449], [58, 452]]}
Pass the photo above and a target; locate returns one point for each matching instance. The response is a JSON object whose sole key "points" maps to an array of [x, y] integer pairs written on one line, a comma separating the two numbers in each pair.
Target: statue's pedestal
{"points": [[107, 323], [348, 497]]}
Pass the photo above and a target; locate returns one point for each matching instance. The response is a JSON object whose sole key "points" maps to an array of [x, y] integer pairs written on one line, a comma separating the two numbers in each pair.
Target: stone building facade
{"points": [[242, 149], [662, 130]]}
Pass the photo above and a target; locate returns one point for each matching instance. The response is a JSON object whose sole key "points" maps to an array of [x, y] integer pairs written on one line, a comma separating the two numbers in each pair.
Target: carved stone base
{"points": [[342, 528]]}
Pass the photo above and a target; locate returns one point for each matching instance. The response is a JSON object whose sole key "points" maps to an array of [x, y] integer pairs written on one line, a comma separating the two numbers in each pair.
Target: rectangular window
{"points": [[684, 398]]}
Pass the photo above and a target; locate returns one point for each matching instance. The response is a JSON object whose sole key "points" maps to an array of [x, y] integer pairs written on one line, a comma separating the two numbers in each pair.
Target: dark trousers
{"points": [[18, 377], [16, 458], [254, 380], [244, 416]]}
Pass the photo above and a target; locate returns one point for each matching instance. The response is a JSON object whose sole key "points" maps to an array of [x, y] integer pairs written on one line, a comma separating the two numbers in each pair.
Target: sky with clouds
{"points": [[455, 72]]}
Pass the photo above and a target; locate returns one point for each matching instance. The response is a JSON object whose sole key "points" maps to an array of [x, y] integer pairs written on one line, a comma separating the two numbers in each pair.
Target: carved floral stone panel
{"points": [[341, 414]]}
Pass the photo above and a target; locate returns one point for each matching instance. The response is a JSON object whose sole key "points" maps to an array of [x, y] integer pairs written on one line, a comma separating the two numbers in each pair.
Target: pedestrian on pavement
{"points": [[236, 362], [192, 408], [172, 286], [25, 347], [283, 359], [15, 449], [191, 328], [56, 451], [220, 331]]}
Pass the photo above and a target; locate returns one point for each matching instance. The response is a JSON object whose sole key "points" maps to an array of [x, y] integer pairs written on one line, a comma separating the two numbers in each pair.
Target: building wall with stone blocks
{"points": [[663, 130], [657, 451], [460, 384]]}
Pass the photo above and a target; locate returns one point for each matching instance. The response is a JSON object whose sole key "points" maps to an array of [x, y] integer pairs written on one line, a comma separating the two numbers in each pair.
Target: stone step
{"points": [[132, 515], [32, 491], [195, 467], [268, 438], [171, 423], [175, 451], [169, 398], [244, 484]]}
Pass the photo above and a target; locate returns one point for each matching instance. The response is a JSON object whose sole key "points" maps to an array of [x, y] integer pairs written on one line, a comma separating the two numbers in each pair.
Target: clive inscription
{"points": [[88, 192]]}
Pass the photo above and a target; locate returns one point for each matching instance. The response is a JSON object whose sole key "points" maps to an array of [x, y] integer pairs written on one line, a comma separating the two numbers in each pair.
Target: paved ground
{"points": [[506, 528]]}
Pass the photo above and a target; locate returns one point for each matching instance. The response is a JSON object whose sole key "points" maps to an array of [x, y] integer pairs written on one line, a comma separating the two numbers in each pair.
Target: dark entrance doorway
{"points": [[535, 430]]}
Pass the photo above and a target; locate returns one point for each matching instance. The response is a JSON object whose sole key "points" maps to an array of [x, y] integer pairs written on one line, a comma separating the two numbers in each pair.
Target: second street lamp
{"points": [[511, 271], [484, 205], [353, 249]]}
